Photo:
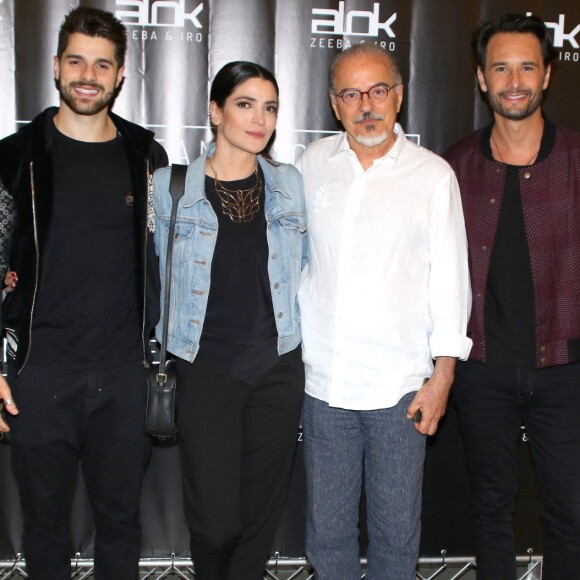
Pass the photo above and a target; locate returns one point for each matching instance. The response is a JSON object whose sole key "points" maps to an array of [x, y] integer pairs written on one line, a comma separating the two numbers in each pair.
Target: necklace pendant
{"points": [[242, 204]]}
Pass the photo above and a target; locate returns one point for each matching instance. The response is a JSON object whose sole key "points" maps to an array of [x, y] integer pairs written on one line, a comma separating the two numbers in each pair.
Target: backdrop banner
{"points": [[175, 48]]}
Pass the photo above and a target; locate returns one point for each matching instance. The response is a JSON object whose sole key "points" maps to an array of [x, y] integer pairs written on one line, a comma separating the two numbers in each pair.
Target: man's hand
{"points": [[8, 403], [10, 281], [431, 398]]}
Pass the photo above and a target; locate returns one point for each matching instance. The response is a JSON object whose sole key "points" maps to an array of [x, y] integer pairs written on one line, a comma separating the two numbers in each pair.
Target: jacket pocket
{"points": [[182, 241], [294, 228]]}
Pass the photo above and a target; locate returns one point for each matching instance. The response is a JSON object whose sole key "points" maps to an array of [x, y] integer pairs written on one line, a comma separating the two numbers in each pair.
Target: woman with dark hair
{"points": [[234, 326]]}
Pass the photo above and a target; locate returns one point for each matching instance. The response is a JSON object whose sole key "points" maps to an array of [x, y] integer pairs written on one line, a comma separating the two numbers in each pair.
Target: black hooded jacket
{"points": [[25, 220]]}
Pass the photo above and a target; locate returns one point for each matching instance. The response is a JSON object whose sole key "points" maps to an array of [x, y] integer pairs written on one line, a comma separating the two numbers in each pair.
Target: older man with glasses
{"points": [[385, 292]]}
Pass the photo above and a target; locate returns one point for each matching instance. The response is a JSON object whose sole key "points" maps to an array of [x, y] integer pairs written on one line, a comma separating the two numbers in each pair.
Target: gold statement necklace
{"points": [[240, 205]]}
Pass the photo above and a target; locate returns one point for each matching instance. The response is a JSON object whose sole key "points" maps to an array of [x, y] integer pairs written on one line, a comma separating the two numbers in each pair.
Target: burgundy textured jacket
{"points": [[550, 192]]}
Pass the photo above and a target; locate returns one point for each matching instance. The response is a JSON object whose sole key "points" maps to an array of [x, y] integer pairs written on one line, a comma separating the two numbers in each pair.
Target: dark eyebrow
{"points": [[81, 57], [254, 100], [505, 62]]}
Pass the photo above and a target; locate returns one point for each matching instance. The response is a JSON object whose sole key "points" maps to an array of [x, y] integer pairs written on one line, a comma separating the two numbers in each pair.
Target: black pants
{"points": [[237, 445], [493, 402], [95, 417]]}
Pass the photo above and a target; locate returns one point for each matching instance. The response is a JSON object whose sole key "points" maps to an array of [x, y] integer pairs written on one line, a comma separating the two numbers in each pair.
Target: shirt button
{"points": [[478, 294], [269, 226], [484, 248], [543, 359], [543, 348], [276, 286], [280, 314], [274, 256], [492, 200], [527, 175]]}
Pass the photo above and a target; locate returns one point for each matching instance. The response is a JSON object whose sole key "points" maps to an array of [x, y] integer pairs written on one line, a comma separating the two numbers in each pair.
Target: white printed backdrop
{"points": [[175, 48]]}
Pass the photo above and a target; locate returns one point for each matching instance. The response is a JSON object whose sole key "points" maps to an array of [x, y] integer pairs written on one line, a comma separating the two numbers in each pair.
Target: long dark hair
{"points": [[235, 73]]}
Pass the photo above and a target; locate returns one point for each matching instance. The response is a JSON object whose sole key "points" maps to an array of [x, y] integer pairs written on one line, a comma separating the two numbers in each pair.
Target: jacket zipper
{"points": [[36, 246], [143, 324]]}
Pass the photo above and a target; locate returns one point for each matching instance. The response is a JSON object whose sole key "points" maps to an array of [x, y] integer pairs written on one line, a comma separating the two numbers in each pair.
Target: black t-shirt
{"points": [[510, 316], [239, 329], [509, 300], [86, 311]]}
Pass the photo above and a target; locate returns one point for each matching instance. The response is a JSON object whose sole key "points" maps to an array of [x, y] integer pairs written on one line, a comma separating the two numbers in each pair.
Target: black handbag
{"points": [[160, 420]]}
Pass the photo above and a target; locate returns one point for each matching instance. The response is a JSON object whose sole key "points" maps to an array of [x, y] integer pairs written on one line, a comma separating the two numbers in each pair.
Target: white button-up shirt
{"points": [[386, 288]]}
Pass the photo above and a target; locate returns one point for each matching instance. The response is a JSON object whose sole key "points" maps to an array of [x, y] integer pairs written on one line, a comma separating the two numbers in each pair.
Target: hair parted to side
{"points": [[364, 50], [96, 23], [519, 23], [234, 74]]}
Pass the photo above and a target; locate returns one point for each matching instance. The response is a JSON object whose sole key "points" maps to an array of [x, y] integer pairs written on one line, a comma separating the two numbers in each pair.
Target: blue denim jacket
{"points": [[194, 243]]}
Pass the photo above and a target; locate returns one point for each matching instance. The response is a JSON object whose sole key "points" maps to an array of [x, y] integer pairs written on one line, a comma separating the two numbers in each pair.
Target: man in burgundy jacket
{"points": [[520, 185]]}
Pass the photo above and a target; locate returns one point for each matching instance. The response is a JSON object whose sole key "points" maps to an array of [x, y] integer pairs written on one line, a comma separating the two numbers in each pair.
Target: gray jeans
{"points": [[339, 445]]}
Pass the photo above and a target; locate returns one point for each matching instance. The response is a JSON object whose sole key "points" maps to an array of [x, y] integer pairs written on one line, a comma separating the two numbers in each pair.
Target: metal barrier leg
{"points": [[278, 568]]}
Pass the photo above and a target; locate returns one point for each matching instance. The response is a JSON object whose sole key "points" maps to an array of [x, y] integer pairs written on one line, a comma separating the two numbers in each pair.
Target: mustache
{"points": [[91, 84], [512, 92], [369, 116]]}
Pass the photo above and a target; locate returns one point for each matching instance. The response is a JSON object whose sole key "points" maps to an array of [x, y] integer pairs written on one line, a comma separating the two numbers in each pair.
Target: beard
{"points": [[515, 114], [371, 140], [85, 106]]}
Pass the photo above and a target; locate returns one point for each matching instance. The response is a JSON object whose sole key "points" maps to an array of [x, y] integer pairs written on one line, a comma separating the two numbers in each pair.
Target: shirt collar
{"points": [[343, 147]]}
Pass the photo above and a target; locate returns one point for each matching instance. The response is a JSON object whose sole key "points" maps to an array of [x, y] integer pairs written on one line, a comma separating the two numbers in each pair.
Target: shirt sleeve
{"points": [[449, 290]]}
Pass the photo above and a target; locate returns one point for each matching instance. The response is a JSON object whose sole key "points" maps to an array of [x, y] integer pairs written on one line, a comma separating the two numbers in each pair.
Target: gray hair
{"points": [[364, 50]]}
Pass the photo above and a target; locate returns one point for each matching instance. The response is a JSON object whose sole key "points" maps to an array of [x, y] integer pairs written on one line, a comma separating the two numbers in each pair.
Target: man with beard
{"points": [[520, 185], [385, 291], [77, 209]]}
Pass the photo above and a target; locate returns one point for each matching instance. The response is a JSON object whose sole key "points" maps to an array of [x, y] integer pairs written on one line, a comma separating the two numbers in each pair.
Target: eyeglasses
{"points": [[376, 94]]}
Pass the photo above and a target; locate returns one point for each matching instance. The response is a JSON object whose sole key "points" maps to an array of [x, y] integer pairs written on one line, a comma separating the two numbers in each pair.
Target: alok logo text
{"points": [[353, 23], [158, 13]]}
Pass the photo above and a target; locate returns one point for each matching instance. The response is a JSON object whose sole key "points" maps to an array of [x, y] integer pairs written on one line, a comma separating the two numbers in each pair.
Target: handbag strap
{"points": [[176, 189]]}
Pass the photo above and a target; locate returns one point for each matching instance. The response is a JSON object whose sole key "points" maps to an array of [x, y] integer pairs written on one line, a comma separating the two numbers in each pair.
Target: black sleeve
{"points": [[7, 219], [158, 157]]}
